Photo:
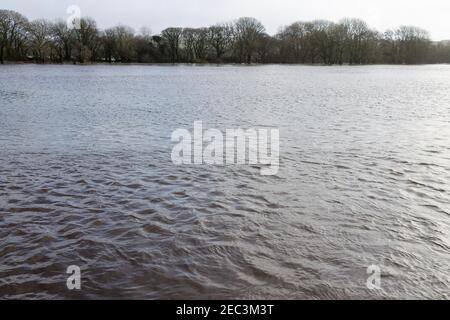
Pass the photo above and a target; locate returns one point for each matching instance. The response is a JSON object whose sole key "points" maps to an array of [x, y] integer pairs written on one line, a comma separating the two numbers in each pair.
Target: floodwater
{"points": [[86, 179]]}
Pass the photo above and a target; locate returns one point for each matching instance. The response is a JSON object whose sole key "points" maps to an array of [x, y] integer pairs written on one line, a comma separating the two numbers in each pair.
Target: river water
{"points": [[86, 179]]}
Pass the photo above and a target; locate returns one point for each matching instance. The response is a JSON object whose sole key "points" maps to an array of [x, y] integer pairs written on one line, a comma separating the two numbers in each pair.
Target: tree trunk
{"points": [[66, 52], [1, 55]]}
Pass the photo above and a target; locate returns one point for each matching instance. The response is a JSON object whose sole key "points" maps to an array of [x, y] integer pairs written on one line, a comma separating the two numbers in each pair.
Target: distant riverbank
{"points": [[244, 40], [207, 64]]}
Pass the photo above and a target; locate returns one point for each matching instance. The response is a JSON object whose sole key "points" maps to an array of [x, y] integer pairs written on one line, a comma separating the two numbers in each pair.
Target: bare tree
{"points": [[119, 44], [13, 28], [62, 40], [220, 38], [413, 44], [295, 42], [200, 43], [247, 33], [108, 39], [87, 40], [144, 46], [323, 41], [40, 39], [124, 42], [439, 52], [173, 38], [357, 33], [267, 49], [188, 44]]}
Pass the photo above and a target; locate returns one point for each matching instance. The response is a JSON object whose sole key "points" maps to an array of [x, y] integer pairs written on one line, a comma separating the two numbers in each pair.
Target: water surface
{"points": [[86, 179]]}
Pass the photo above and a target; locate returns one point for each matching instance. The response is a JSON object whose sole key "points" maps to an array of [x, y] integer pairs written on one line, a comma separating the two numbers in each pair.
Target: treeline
{"points": [[350, 41]]}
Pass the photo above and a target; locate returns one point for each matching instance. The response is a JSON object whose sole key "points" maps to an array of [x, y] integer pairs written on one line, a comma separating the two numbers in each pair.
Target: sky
{"points": [[432, 15]]}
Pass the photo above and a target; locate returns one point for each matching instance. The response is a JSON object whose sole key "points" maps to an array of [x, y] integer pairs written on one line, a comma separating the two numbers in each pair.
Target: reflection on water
{"points": [[86, 179]]}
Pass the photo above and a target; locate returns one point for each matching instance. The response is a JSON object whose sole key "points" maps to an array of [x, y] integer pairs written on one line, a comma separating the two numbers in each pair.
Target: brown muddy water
{"points": [[86, 179]]}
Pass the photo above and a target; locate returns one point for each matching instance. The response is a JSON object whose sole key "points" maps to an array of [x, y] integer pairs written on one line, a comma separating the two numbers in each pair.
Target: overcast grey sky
{"points": [[433, 15]]}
